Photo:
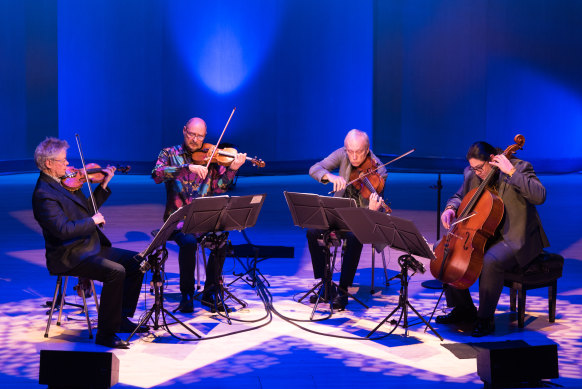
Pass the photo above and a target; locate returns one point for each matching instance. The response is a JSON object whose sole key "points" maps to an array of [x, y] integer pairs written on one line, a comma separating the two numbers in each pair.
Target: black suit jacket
{"points": [[521, 227], [65, 217]]}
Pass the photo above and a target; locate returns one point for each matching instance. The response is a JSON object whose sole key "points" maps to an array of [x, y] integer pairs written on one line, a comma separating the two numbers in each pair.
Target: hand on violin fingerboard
{"points": [[238, 161], [338, 182], [200, 170], [109, 172]]}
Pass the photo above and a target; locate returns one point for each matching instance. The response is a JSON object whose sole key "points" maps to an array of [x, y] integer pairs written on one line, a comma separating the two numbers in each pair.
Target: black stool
{"points": [[62, 303], [542, 272]]}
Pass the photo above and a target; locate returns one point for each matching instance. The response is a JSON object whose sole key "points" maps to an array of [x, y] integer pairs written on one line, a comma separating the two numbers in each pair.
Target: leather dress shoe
{"points": [[127, 326], [483, 327], [111, 341], [209, 301], [339, 302], [457, 316], [186, 304]]}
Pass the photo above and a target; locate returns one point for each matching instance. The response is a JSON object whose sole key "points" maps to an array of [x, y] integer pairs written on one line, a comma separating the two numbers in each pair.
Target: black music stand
{"points": [[320, 212], [213, 217], [154, 257], [383, 230]]}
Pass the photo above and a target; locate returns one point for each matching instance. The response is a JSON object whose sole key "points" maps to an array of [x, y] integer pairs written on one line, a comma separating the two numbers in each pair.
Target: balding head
{"points": [[194, 133], [357, 145]]}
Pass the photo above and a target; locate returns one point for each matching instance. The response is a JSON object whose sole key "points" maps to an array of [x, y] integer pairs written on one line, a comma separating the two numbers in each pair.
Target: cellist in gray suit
{"points": [[75, 246], [520, 236]]}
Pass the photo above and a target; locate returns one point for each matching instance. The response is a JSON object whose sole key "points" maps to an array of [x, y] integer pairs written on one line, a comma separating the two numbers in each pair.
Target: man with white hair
{"points": [[355, 152], [75, 246]]}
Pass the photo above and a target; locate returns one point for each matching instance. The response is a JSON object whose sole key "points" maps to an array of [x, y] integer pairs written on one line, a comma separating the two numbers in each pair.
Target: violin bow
{"points": [[219, 139], [377, 167], [78, 139]]}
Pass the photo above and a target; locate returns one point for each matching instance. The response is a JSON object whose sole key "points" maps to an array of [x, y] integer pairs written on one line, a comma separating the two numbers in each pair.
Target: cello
{"points": [[459, 255]]}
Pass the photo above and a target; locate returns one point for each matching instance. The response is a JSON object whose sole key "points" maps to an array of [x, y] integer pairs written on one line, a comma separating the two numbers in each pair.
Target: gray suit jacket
{"points": [[339, 159], [521, 227], [65, 217]]}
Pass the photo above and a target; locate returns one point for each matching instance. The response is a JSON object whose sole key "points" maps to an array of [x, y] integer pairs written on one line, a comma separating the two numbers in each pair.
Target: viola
{"points": [[366, 180], [223, 157], [75, 178], [459, 255]]}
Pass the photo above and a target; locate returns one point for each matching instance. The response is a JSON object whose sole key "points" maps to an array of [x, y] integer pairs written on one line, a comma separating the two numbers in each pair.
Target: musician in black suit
{"points": [[75, 246], [519, 238]]}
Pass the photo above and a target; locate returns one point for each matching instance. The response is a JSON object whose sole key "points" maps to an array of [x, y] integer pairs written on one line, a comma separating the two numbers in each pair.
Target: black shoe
{"points": [[186, 304], [111, 341], [457, 315], [209, 301], [127, 326], [483, 327], [339, 302]]}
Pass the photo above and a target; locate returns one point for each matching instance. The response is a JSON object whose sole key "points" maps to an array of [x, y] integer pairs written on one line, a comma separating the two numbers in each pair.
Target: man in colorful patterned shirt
{"points": [[186, 181]]}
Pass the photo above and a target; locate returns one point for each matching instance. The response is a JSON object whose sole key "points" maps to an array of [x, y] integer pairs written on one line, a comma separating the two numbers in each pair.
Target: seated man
{"points": [[356, 150], [75, 246], [519, 238], [186, 181]]}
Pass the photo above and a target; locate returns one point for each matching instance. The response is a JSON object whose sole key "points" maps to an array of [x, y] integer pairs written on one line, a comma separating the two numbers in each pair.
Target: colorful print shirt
{"points": [[181, 184]]}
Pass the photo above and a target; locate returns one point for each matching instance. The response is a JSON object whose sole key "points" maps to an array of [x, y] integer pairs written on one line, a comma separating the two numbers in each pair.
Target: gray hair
{"points": [[48, 149], [354, 134]]}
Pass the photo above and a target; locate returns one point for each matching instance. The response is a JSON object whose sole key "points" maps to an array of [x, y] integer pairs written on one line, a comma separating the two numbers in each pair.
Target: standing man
{"points": [[75, 246], [186, 181], [355, 152], [520, 237]]}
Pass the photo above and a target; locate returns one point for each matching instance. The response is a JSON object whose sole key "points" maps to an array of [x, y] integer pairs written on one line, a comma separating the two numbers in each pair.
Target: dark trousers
{"points": [[498, 259], [187, 263], [351, 256], [119, 272]]}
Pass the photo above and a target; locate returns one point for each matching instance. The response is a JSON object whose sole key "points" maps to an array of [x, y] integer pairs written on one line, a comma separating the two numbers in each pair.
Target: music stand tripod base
{"points": [[376, 228], [154, 257]]}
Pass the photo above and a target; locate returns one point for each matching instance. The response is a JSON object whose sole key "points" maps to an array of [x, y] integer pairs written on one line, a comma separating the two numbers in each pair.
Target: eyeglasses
{"points": [[59, 160], [478, 168], [194, 136]]}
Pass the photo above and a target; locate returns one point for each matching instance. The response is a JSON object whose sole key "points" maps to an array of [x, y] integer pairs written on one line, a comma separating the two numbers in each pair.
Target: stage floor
{"points": [[273, 352]]}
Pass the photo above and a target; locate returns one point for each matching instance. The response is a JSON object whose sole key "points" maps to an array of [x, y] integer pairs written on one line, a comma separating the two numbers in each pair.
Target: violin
{"points": [[75, 178], [366, 180], [459, 255], [223, 157]]}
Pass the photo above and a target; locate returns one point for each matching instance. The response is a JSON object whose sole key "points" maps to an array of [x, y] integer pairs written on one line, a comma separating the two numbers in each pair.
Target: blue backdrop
{"points": [[433, 75]]}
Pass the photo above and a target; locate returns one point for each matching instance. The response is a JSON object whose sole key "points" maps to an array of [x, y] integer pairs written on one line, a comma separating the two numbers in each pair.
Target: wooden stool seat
{"points": [[542, 272]]}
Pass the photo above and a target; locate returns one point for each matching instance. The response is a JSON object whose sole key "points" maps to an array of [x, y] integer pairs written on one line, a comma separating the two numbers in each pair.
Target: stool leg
{"points": [[385, 271], [48, 323], [373, 265], [552, 294], [95, 295], [63, 299], [512, 298], [521, 292], [87, 315]]}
